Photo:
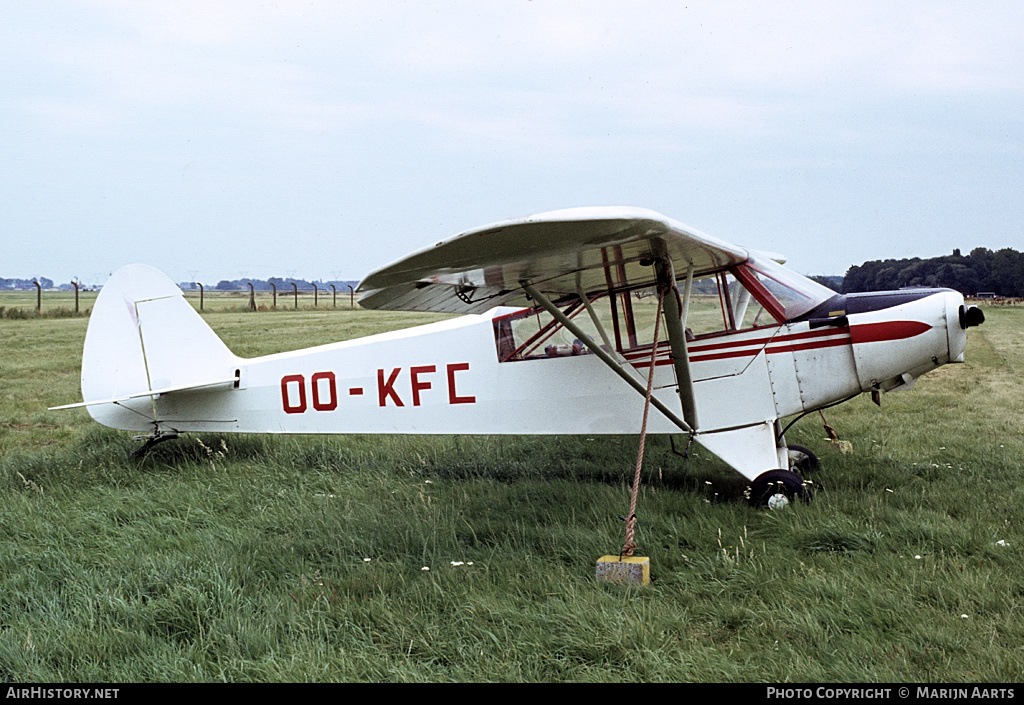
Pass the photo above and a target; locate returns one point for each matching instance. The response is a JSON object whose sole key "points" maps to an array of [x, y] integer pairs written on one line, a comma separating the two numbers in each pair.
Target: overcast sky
{"points": [[218, 139]]}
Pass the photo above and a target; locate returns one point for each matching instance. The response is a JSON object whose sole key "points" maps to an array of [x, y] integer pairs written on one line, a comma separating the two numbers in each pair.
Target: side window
{"points": [[721, 304], [532, 334], [624, 320], [747, 311], [707, 313], [636, 313]]}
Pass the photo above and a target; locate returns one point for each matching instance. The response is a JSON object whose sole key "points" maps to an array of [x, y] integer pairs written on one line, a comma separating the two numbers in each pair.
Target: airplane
{"points": [[560, 313]]}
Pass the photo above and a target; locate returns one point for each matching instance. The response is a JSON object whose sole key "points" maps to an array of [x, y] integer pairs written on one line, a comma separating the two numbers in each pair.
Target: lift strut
{"points": [[607, 358]]}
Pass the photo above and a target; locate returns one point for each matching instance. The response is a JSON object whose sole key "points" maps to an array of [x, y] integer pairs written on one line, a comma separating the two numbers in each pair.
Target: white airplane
{"points": [[558, 339]]}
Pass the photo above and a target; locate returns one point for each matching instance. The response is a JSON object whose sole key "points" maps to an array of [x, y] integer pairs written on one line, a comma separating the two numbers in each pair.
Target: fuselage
{"points": [[762, 344], [448, 377]]}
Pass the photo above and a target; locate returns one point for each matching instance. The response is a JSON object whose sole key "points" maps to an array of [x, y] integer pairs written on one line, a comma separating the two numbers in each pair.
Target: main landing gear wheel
{"points": [[775, 489], [802, 461]]}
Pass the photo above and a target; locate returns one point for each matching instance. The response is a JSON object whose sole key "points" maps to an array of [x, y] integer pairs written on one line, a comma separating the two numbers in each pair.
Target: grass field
{"points": [[252, 558]]}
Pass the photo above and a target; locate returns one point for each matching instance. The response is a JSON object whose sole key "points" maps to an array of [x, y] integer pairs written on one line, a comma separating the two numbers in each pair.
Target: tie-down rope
{"points": [[630, 545]]}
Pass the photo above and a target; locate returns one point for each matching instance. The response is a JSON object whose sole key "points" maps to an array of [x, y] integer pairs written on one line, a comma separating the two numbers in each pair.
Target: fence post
{"points": [[334, 297], [75, 284], [296, 287], [351, 297], [274, 287], [39, 296], [252, 297], [201, 295], [316, 298]]}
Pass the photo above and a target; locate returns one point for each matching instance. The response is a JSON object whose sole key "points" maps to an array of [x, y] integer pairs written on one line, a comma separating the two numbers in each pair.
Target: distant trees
{"points": [[831, 281], [25, 283], [1001, 272]]}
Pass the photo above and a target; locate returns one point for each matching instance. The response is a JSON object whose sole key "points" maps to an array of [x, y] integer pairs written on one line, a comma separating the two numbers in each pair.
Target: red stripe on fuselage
{"points": [[887, 330], [794, 342]]}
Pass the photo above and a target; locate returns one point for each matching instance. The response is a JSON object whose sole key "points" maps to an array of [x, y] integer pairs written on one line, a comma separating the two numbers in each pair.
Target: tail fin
{"points": [[144, 339]]}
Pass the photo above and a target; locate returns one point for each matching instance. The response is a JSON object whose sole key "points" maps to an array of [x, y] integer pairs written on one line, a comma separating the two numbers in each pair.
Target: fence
{"points": [[262, 294], [28, 303]]}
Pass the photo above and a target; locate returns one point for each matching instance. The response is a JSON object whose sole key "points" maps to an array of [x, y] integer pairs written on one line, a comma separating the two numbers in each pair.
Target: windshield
{"points": [[796, 293]]}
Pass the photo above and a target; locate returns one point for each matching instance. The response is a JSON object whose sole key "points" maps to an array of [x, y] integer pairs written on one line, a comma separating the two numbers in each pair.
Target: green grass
{"points": [[358, 558]]}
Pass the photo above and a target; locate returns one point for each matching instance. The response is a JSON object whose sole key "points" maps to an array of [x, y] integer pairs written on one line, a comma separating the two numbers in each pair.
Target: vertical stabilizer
{"points": [[143, 337]]}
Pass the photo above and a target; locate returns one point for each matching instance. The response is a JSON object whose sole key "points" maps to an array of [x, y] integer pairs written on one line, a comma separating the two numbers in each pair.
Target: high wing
{"points": [[562, 253]]}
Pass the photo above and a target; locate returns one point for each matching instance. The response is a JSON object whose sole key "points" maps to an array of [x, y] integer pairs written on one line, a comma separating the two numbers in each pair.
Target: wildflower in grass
{"points": [[426, 567], [706, 500]]}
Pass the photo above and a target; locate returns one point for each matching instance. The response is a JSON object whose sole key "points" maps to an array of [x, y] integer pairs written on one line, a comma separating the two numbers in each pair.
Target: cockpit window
{"points": [[755, 294], [747, 311], [795, 294]]}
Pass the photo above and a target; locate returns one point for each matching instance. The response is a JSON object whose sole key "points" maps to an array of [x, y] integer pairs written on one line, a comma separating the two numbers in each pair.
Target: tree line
{"points": [[15, 283], [982, 271]]}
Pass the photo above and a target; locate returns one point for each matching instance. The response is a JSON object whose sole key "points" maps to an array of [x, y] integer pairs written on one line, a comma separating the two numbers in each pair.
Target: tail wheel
{"points": [[776, 489]]}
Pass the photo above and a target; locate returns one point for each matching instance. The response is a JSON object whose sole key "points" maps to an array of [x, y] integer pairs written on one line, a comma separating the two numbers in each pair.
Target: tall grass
{"points": [[357, 558]]}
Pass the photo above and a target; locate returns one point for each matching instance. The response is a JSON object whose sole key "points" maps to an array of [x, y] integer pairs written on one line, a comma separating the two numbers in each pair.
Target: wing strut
{"points": [[677, 335], [603, 355]]}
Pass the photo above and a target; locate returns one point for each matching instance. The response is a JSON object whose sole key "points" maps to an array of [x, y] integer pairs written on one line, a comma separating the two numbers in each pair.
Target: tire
{"points": [[802, 461], [776, 489]]}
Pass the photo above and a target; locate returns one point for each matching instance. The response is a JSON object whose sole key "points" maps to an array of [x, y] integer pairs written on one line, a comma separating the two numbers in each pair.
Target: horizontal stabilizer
{"points": [[217, 385]]}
